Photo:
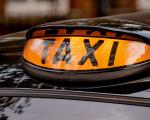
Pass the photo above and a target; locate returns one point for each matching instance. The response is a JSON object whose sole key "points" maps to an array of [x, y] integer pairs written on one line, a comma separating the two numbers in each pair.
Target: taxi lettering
{"points": [[66, 55]]}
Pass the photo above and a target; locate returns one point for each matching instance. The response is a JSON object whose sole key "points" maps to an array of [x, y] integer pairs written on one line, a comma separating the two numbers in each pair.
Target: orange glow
{"points": [[128, 52]]}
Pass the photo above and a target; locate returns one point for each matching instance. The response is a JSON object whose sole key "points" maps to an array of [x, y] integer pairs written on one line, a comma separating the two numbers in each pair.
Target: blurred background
{"points": [[16, 15]]}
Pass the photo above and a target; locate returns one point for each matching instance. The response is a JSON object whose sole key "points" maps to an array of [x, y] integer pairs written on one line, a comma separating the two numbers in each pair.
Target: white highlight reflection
{"points": [[135, 51]]}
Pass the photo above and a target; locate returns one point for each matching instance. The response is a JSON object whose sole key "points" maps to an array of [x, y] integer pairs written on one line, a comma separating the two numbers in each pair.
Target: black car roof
{"points": [[13, 78]]}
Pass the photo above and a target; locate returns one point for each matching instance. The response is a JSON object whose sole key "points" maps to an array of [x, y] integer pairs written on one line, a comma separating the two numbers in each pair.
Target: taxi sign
{"points": [[79, 54]]}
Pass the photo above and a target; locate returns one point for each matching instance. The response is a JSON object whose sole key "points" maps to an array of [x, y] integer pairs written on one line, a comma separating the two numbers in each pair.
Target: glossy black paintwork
{"points": [[26, 108], [23, 108], [12, 75]]}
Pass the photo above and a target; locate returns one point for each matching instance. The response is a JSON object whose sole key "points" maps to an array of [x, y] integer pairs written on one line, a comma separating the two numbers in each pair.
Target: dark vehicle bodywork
{"points": [[25, 98]]}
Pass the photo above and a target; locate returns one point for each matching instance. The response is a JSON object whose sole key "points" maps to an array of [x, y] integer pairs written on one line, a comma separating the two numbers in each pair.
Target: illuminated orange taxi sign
{"points": [[81, 50]]}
